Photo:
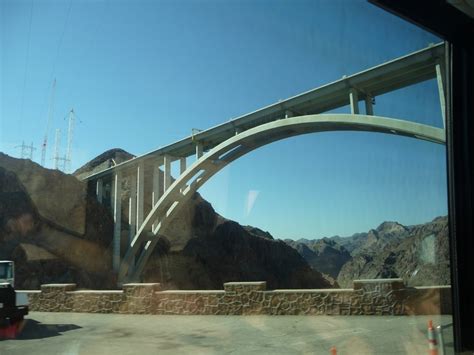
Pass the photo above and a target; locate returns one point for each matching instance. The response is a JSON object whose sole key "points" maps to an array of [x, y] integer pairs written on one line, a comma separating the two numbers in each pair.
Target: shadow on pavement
{"points": [[36, 330]]}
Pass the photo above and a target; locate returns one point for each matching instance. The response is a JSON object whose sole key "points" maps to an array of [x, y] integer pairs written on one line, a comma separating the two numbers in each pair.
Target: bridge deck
{"points": [[395, 74]]}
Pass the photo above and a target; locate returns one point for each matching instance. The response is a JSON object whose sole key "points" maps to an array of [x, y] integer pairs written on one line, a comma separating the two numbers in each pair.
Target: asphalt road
{"points": [[81, 333]]}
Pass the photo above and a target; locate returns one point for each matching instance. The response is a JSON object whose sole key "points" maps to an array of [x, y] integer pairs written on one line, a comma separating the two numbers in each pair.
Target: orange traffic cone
{"points": [[432, 343], [333, 350]]}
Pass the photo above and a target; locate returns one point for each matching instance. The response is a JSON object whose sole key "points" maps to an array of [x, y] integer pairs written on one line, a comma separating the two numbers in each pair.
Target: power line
{"points": [[58, 48], [50, 117], [53, 69], [26, 64], [61, 40]]}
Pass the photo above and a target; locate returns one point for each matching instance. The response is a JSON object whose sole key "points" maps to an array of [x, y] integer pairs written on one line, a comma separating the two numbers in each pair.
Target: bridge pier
{"points": [[132, 208], [158, 182], [140, 193], [117, 212], [182, 165], [199, 150], [182, 168], [99, 190], [167, 172], [354, 101], [369, 109]]}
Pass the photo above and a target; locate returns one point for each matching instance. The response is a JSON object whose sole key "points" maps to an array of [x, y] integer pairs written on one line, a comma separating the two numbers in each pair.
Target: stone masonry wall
{"points": [[368, 297]]}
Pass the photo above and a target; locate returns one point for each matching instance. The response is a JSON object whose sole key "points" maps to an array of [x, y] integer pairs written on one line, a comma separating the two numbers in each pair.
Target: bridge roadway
{"points": [[226, 142], [366, 85], [102, 334]]}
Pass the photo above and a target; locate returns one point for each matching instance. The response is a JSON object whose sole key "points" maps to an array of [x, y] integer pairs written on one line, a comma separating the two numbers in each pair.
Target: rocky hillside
{"points": [[56, 231], [325, 255], [419, 254], [49, 240], [225, 251]]}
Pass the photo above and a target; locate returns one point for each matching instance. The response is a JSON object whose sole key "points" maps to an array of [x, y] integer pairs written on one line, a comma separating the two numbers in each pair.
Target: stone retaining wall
{"points": [[368, 297]]}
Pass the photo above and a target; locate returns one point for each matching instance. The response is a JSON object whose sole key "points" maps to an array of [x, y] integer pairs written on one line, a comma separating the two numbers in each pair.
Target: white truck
{"points": [[13, 305]]}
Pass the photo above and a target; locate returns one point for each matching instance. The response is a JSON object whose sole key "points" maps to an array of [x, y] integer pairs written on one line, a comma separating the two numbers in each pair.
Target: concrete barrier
{"points": [[368, 297]]}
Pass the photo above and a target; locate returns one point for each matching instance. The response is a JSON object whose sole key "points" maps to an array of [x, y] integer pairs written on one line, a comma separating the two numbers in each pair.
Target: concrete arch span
{"points": [[213, 161]]}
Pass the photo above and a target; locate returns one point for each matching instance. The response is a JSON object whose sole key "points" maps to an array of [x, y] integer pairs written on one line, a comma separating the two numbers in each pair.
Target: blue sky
{"points": [[142, 74]]}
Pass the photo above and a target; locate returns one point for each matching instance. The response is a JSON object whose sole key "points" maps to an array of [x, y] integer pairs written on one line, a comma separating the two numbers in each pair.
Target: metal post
{"points": [[439, 333], [99, 190], [167, 173], [354, 101], [117, 206]]}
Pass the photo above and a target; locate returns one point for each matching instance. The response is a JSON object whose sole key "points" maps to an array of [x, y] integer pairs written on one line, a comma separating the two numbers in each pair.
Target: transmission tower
{"points": [[57, 143], [50, 117], [68, 158], [26, 150]]}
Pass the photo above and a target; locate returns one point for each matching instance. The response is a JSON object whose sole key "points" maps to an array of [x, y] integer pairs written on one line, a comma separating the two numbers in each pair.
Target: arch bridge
{"points": [[216, 147]]}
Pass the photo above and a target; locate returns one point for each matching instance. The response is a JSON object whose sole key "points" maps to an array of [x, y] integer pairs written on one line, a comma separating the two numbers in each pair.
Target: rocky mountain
{"points": [[377, 239], [419, 254], [226, 251], [48, 239], [324, 255], [56, 231], [257, 232]]}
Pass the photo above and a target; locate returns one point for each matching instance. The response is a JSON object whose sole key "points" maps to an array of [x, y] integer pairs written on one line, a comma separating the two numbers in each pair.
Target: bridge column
{"points": [[167, 172], [354, 101], [198, 150], [157, 181], [117, 209], [140, 193], [182, 169], [99, 190], [132, 208], [369, 109], [182, 165], [440, 76]]}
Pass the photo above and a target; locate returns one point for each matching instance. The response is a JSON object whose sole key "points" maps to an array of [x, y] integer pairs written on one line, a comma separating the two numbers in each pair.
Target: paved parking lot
{"points": [[80, 333]]}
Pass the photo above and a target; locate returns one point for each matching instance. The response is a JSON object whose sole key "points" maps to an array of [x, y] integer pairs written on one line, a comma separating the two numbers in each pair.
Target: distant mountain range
{"points": [[419, 254]]}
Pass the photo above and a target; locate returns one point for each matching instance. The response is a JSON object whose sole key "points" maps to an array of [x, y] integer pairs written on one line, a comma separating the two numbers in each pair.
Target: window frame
{"points": [[456, 28]]}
